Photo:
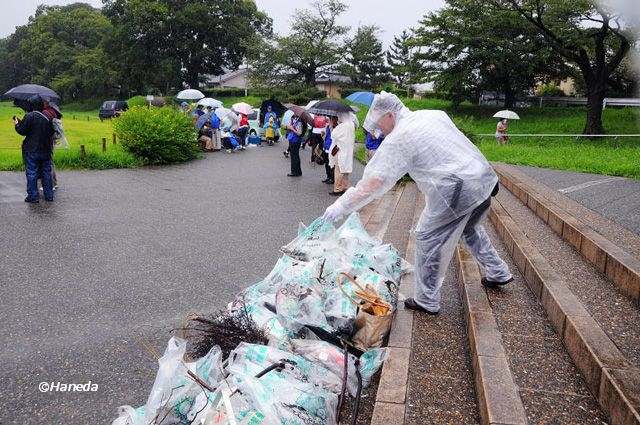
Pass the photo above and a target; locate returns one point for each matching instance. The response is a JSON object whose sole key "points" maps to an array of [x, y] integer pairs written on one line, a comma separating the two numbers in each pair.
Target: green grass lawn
{"points": [[611, 156], [81, 128]]}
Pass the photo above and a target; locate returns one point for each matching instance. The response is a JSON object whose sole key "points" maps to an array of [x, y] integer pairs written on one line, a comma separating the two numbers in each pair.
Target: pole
{"points": [[83, 153], [114, 138], [104, 144]]}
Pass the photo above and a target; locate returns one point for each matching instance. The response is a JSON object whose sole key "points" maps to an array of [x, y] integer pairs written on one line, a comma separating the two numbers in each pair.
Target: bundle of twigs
{"points": [[224, 329]]}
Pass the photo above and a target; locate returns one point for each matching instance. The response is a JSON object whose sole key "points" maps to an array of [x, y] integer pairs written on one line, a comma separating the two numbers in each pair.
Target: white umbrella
{"points": [[208, 101], [286, 118], [228, 115], [510, 115], [190, 94], [310, 104], [242, 108]]}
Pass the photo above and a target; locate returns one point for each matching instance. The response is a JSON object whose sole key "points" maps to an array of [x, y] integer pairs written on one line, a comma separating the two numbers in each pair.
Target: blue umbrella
{"points": [[202, 120], [361, 97]]}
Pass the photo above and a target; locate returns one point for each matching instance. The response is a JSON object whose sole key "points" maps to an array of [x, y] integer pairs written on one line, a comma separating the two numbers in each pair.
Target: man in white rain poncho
{"points": [[455, 178]]}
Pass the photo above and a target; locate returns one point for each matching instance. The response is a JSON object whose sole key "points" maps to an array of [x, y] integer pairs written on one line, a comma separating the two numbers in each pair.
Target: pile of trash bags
{"points": [[325, 308]]}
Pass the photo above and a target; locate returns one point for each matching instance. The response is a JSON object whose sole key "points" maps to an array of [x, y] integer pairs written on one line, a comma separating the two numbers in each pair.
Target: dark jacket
{"points": [[38, 131]]}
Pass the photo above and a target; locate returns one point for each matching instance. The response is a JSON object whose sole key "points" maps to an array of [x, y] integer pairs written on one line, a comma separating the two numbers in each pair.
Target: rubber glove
{"points": [[334, 212]]}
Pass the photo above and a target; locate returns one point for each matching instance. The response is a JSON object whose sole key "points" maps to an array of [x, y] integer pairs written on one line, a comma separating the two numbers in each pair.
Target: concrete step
{"points": [[596, 322], [612, 249], [389, 219]]}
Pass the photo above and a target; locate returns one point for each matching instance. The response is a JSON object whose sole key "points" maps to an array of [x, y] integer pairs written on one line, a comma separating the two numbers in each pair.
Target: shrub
{"points": [[157, 135], [137, 101], [346, 91], [224, 92], [549, 90]]}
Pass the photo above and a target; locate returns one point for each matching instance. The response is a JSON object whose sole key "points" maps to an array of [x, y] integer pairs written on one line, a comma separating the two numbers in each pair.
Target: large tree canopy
{"points": [[364, 61], [402, 61], [61, 47], [313, 44], [162, 41], [468, 46], [585, 33]]}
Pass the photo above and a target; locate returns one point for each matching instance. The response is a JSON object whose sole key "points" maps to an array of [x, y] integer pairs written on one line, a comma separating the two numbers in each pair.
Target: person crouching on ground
{"points": [[341, 153], [456, 180], [294, 136], [37, 149]]}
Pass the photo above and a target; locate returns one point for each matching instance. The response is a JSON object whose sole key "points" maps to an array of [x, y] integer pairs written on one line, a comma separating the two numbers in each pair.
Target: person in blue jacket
{"points": [[372, 144]]}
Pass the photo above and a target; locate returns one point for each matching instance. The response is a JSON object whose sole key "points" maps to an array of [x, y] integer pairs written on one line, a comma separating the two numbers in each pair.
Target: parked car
{"points": [[112, 108]]}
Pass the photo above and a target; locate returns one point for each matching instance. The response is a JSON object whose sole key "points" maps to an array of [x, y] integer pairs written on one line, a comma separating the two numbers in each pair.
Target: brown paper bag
{"points": [[371, 328]]}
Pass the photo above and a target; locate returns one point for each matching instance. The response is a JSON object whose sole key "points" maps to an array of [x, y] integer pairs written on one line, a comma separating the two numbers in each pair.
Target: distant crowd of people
{"points": [[332, 143]]}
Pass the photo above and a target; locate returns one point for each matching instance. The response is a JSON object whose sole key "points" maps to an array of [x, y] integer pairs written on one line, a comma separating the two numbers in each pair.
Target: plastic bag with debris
{"points": [[313, 242], [176, 397], [299, 393], [332, 359], [353, 236]]}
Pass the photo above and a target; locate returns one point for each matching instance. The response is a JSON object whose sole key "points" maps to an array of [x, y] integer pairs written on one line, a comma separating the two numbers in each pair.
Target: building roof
{"points": [[219, 79], [333, 77]]}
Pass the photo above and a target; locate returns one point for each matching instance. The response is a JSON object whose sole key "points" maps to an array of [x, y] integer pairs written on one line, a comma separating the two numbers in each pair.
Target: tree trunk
{"points": [[509, 95], [310, 77], [596, 90]]}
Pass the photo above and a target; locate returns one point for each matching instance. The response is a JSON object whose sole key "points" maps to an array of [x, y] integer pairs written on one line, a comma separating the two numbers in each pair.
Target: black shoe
{"points": [[48, 199], [411, 304], [326, 181], [286, 154], [492, 283], [334, 193], [294, 175], [31, 201]]}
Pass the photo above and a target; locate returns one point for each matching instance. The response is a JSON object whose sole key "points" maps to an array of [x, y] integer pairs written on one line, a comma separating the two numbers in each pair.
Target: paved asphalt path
{"points": [[124, 255], [616, 198]]}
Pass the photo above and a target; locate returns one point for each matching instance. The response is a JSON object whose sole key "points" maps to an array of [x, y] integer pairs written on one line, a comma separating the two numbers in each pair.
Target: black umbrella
{"points": [[276, 107], [25, 91], [329, 107]]}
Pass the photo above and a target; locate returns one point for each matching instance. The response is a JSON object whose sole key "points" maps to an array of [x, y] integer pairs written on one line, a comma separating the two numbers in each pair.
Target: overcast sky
{"points": [[391, 16]]}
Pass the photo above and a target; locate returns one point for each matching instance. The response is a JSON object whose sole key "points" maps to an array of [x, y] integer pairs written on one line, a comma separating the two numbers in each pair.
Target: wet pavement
{"points": [[121, 257], [616, 198]]}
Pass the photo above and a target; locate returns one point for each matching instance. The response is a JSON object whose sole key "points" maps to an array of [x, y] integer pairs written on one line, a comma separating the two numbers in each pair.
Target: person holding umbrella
{"points": [[294, 136], [503, 125], [37, 149], [456, 180]]}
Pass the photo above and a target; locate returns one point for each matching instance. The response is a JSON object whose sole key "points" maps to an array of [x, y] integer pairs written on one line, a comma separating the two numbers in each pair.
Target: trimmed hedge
{"points": [[157, 135]]}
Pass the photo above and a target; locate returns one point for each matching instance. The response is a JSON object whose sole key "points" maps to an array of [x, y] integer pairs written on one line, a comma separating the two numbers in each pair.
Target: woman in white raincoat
{"points": [[455, 178], [341, 152]]}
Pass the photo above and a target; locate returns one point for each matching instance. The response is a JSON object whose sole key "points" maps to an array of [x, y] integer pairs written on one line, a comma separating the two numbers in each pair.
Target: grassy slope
{"points": [[619, 157], [79, 131]]}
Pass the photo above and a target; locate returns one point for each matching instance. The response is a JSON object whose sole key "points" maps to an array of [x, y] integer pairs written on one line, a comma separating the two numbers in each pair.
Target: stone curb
{"points": [[609, 376], [498, 398], [391, 397], [622, 268]]}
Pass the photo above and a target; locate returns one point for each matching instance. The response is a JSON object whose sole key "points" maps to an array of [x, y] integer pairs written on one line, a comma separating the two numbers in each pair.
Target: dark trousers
{"points": [[38, 165], [327, 168], [242, 135], [294, 151]]}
